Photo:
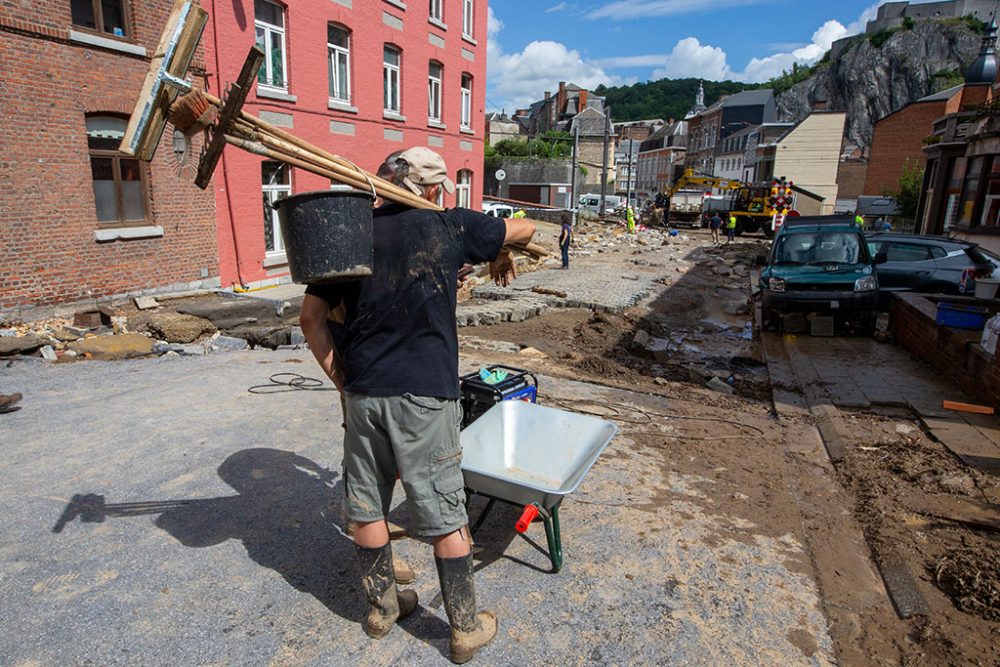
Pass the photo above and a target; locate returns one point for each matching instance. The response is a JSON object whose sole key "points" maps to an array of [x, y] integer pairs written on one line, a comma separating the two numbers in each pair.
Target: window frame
{"points": [[463, 188], [268, 28], [271, 192], [116, 158], [437, 15], [392, 76], [468, 18], [465, 121], [435, 87], [98, 28], [332, 51]]}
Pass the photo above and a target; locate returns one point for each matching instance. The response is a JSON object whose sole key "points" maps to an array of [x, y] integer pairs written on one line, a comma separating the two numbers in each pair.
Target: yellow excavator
{"points": [[748, 202]]}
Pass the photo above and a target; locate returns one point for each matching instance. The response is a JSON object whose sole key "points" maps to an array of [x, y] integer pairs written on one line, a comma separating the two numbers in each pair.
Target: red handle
{"points": [[527, 516]]}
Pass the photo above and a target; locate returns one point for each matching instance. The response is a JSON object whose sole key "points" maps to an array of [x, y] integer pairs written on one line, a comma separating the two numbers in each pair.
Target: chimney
{"points": [[583, 100], [548, 94], [561, 99]]}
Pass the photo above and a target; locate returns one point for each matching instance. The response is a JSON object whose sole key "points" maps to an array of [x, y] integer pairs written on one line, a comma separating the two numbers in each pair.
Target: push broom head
{"points": [[165, 75]]}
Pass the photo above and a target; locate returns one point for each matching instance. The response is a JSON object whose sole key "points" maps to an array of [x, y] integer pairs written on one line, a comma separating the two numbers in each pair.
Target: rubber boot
{"points": [[404, 573], [388, 604], [470, 630]]}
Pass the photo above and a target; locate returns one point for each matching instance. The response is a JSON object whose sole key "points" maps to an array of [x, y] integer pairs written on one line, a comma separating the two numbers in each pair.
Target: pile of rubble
{"points": [[107, 333]]}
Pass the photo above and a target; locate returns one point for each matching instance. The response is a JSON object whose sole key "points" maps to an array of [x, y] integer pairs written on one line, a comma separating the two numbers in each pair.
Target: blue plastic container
{"points": [[961, 317]]}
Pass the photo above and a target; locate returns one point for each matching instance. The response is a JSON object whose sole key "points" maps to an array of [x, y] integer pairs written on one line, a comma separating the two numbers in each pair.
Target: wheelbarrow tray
{"points": [[526, 453]]}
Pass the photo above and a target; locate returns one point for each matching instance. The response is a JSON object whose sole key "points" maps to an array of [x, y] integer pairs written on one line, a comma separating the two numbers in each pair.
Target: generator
{"points": [[478, 396]]}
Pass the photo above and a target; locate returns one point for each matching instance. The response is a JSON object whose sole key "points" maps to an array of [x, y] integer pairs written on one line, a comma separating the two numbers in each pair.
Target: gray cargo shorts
{"points": [[415, 437]]}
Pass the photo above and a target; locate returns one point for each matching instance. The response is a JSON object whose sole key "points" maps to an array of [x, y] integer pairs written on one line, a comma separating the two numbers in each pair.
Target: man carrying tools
{"points": [[396, 364]]}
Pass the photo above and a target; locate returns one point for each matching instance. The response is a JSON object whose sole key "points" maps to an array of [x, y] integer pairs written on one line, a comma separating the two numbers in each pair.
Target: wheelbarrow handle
{"points": [[527, 516]]}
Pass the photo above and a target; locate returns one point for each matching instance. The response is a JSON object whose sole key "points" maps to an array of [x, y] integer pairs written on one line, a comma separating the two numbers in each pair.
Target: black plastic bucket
{"points": [[328, 235]]}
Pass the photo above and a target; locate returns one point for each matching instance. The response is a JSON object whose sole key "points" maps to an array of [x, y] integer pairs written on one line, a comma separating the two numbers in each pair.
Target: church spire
{"points": [[984, 69], [699, 101]]}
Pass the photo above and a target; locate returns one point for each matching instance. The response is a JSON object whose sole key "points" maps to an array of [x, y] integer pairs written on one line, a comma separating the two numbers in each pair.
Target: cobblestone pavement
{"points": [[609, 271]]}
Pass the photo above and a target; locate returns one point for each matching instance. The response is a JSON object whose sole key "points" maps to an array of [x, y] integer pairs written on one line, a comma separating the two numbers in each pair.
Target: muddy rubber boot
{"points": [[470, 630], [404, 573], [388, 604]]}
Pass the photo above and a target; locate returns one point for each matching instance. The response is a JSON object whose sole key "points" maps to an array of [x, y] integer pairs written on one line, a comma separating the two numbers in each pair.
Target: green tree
{"points": [[907, 192]]}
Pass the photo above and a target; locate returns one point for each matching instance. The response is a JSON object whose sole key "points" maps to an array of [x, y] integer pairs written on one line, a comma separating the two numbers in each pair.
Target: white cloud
{"points": [[518, 79], [626, 10], [558, 8], [691, 58]]}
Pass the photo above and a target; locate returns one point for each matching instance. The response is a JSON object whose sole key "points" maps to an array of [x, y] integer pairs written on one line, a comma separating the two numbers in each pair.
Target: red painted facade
{"points": [[359, 129]]}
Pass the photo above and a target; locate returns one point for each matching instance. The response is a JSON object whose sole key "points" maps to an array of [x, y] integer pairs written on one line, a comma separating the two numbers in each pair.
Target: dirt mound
{"points": [[602, 367], [971, 578]]}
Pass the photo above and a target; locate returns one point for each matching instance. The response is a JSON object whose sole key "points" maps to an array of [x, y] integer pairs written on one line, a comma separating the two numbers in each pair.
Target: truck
{"points": [[747, 201], [686, 207]]}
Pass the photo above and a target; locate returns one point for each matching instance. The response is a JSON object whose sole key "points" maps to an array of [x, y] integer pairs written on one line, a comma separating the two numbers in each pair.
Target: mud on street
{"points": [[909, 497]]}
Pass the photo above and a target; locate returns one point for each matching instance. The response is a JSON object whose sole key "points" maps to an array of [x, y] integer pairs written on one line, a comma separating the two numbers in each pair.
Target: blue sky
{"points": [[534, 44]]}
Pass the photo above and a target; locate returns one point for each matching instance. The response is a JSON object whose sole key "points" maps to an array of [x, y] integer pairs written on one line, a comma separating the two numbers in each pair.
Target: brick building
{"points": [[360, 78], [898, 140], [79, 221]]}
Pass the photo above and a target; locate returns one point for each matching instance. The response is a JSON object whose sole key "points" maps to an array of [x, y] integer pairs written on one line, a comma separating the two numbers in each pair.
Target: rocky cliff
{"points": [[869, 77]]}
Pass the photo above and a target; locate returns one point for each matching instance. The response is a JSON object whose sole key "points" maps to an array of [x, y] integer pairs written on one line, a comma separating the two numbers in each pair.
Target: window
{"points": [[463, 188], [119, 181], [269, 22], [436, 11], [338, 44], [104, 16], [276, 184], [390, 79], [434, 91], [466, 101], [468, 12], [906, 252]]}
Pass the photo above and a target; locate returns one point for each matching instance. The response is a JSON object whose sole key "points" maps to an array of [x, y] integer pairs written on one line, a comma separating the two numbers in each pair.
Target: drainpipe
{"points": [[225, 171], [572, 197]]}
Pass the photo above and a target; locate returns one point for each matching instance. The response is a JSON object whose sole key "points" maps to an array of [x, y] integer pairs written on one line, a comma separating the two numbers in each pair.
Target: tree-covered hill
{"points": [[666, 98]]}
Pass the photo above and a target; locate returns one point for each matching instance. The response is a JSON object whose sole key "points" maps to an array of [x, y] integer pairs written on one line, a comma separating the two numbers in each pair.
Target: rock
{"points": [[723, 270], [163, 348], [641, 339], [48, 353], [67, 334], [145, 302], [629, 277], [716, 384], [11, 345], [906, 429], [698, 375], [176, 327], [262, 336], [959, 483], [661, 381], [90, 319], [230, 344], [108, 348], [533, 353], [736, 307]]}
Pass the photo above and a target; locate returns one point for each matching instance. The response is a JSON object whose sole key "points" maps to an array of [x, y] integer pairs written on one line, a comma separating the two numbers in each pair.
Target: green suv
{"points": [[820, 266]]}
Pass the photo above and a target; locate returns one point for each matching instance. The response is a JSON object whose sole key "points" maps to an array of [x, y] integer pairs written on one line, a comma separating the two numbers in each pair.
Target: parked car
{"points": [[820, 266], [498, 209], [928, 264]]}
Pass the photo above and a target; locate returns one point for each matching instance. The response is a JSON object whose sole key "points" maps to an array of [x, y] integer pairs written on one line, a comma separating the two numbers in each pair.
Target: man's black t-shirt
{"points": [[400, 334]]}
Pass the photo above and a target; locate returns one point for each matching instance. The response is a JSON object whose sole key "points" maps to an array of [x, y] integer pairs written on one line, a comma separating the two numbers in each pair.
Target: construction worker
{"points": [[519, 213], [859, 220], [630, 219], [731, 228]]}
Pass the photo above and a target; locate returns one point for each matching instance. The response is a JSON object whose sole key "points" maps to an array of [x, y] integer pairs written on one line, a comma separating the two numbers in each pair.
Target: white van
{"points": [[591, 204]]}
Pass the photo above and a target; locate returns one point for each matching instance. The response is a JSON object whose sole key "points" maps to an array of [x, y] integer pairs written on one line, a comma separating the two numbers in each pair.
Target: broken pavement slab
{"points": [[174, 327], [109, 348], [12, 345]]}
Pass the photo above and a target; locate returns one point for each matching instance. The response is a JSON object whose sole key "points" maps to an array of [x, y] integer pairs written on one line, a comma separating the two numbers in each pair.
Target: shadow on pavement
{"points": [[284, 515]]}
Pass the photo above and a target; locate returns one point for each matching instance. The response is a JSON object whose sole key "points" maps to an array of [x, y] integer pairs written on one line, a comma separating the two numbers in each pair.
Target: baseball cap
{"points": [[426, 168]]}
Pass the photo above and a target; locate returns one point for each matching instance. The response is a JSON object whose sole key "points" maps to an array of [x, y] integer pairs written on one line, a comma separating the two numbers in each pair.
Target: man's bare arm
{"points": [[317, 333]]}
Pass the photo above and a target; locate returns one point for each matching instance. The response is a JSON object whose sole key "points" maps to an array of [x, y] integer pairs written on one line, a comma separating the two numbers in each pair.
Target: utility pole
{"points": [[604, 158], [572, 188]]}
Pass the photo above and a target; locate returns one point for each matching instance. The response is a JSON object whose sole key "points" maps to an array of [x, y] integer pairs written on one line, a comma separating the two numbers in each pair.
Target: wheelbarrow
{"points": [[531, 456]]}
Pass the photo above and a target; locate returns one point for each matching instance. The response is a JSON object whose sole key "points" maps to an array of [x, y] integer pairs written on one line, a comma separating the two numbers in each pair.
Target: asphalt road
{"points": [[155, 512]]}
